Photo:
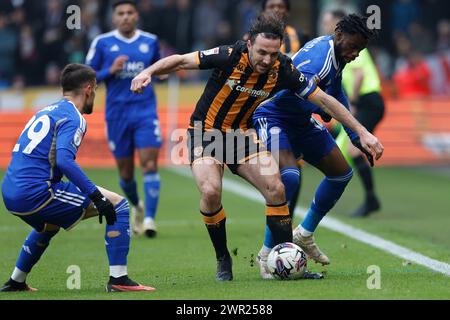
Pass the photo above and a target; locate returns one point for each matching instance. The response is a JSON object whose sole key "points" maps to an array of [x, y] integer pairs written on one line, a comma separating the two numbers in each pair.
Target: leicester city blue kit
{"points": [[132, 120], [45, 151], [296, 129]]}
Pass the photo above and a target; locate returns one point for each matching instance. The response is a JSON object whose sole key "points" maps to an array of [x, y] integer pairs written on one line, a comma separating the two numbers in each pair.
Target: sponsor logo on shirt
{"points": [[131, 69], [235, 84]]}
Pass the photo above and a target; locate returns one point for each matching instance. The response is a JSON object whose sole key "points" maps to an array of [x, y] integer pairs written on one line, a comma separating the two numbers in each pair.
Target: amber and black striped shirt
{"points": [[234, 90]]}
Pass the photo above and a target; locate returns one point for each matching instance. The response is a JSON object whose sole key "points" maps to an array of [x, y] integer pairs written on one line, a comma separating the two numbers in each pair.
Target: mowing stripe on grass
{"points": [[340, 227]]}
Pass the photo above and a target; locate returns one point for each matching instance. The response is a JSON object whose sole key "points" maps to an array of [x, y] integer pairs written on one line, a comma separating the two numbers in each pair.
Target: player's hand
{"points": [[141, 81], [104, 208], [118, 64], [370, 146]]}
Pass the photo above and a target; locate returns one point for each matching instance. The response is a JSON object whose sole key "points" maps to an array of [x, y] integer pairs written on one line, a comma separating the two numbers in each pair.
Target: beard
{"points": [[88, 108], [338, 51]]}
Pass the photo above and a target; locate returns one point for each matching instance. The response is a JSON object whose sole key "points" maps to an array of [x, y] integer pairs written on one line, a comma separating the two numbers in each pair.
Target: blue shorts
{"points": [[127, 134], [65, 210], [310, 141]]}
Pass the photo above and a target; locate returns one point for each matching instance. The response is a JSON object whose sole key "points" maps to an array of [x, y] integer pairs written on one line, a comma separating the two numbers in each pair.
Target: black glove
{"points": [[104, 207], [325, 116], [357, 143]]}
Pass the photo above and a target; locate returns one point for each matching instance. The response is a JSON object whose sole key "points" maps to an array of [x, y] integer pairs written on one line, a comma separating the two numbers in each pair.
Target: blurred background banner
{"points": [[412, 54]]}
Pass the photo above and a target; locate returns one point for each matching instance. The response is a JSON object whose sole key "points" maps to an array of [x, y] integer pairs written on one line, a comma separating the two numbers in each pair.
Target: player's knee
{"points": [[126, 172], [275, 192], [122, 211], [149, 166], [211, 193], [115, 199]]}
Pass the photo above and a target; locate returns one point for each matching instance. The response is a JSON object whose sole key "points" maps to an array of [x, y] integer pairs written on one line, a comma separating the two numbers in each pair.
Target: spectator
{"points": [[404, 12], [205, 24], [443, 36], [8, 47], [184, 26], [150, 16], [52, 72], [28, 57], [413, 80], [53, 33]]}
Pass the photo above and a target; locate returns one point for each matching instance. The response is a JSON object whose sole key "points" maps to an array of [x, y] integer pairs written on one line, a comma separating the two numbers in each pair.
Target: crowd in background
{"points": [[35, 43]]}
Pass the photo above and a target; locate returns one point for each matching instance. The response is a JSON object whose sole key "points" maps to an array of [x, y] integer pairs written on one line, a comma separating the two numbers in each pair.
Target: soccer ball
{"points": [[287, 261]]}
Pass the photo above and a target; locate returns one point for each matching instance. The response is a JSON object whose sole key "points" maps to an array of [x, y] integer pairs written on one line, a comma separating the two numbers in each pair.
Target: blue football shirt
{"points": [[27, 183], [142, 51]]}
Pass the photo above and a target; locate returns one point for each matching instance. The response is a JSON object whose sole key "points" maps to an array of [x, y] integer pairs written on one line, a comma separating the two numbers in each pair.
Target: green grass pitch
{"points": [[180, 262]]}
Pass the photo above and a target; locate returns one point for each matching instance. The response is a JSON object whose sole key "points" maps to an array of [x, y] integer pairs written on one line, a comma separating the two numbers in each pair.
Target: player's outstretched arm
{"points": [[335, 109], [164, 66]]}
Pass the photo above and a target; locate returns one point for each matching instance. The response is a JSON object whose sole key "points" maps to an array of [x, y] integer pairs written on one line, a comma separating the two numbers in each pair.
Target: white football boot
{"points": [[149, 227], [310, 247], [137, 218], [261, 259]]}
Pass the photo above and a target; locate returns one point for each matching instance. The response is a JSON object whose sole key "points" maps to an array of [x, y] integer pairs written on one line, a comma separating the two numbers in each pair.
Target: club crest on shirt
{"points": [[144, 48], [240, 67], [273, 75]]}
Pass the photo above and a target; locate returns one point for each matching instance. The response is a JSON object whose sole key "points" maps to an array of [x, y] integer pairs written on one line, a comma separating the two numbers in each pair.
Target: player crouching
{"points": [[32, 188]]}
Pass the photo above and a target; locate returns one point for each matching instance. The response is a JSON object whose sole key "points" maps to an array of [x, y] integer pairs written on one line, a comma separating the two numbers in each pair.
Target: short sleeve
{"points": [[299, 83], [94, 57], [214, 58], [157, 55]]}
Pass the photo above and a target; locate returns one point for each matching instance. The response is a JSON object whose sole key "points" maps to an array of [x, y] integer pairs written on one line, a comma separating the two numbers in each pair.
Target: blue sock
{"points": [[130, 190], [33, 248], [291, 180], [117, 236], [327, 194], [152, 186]]}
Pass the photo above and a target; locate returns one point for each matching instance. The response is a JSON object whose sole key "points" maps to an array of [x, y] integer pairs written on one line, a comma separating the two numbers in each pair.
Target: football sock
{"points": [[152, 186], [265, 250], [130, 190], [365, 173], [32, 250], [215, 224], [327, 194], [279, 222], [291, 180], [293, 201], [117, 238], [118, 271]]}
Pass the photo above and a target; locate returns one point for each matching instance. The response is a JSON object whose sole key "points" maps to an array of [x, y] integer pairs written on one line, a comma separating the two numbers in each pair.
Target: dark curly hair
{"points": [[356, 24], [270, 25]]}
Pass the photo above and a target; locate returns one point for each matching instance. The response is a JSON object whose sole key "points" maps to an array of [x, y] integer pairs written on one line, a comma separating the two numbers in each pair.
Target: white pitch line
{"points": [[340, 227]]}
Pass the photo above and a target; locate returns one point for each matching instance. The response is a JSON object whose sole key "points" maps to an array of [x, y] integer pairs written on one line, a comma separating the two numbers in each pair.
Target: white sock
{"points": [[265, 250], [304, 232], [18, 275], [118, 271], [148, 220]]}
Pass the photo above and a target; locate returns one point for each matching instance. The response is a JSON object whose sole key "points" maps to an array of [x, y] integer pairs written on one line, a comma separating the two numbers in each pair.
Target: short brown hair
{"points": [[270, 25], [74, 76]]}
